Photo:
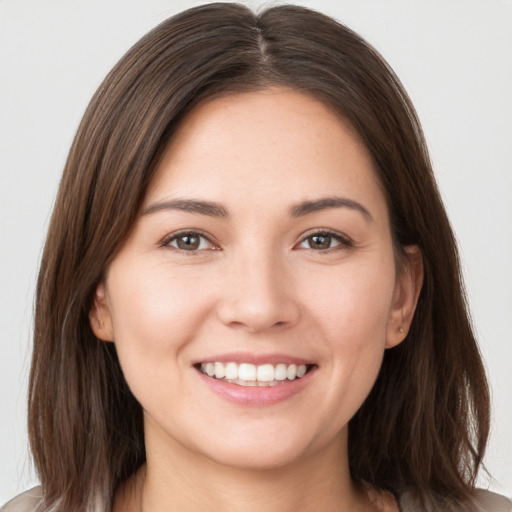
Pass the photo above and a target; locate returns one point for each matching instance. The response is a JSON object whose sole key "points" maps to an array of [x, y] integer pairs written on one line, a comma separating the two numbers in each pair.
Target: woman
{"points": [[249, 297]]}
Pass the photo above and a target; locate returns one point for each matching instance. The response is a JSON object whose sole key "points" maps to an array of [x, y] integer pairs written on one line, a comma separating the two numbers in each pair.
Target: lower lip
{"points": [[256, 396]]}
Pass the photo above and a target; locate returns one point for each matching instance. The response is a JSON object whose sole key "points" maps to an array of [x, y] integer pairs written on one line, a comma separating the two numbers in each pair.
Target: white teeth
{"points": [[231, 371], [246, 374], [210, 369], [220, 371], [280, 372], [301, 371], [265, 373], [291, 372]]}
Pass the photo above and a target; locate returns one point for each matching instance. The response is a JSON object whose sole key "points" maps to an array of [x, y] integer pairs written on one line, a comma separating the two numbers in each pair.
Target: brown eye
{"points": [[320, 241], [324, 241], [189, 241]]}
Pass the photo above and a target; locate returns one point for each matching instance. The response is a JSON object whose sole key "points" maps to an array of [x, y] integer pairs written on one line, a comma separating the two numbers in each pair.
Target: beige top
{"points": [[385, 502]]}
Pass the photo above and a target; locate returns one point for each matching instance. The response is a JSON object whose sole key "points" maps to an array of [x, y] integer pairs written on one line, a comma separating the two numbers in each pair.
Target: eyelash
{"points": [[166, 242], [343, 241]]}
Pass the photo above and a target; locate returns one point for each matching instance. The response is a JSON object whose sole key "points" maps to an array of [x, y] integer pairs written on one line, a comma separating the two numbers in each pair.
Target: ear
{"points": [[100, 317], [407, 290]]}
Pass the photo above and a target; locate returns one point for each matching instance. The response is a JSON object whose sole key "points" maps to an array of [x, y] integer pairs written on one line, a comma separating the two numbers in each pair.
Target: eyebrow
{"points": [[208, 208], [213, 209], [307, 207]]}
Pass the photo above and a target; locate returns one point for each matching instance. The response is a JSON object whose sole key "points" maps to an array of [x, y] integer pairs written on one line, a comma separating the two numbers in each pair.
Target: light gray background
{"points": [[453, 56]]}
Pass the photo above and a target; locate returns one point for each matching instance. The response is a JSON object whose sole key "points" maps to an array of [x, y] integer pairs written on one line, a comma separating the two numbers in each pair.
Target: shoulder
{"points": [[484, 501], [28, 501], [491, 502]]}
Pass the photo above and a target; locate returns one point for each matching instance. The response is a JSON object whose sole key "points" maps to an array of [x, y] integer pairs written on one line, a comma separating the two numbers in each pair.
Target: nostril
{"points": [[256, 311]]}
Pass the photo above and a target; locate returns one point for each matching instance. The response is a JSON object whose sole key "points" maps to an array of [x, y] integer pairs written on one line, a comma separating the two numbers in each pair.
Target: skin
{"points": [[255, 285]]}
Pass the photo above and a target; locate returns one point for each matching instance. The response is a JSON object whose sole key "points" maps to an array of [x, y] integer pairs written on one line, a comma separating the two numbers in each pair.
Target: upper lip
{"points": [[256, 359]]}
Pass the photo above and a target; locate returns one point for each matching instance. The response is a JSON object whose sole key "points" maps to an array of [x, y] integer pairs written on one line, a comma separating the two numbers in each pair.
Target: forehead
{"points": [[271, 144]]}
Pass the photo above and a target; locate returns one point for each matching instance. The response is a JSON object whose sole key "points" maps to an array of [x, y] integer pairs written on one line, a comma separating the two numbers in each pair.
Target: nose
{"points": [[257, 295]]}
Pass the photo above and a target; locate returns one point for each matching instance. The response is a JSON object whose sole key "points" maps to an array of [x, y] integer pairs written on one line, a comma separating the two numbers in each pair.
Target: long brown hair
{"points": [[423, 427]]}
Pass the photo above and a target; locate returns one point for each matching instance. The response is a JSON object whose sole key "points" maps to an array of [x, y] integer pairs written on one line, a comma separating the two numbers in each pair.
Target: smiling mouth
{"points": [[246, 374]]}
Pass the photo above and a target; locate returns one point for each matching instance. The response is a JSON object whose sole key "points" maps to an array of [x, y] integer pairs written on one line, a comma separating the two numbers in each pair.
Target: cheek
{"points": [[155, 313], [351, 313], [151, 299], [352, 306]]}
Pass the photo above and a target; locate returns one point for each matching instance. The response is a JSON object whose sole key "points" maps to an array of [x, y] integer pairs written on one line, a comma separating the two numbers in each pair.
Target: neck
{"points": [[175, 479]]}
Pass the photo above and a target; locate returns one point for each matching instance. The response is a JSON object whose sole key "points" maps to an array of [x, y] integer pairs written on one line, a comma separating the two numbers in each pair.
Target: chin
{"points": [[257, 458], [265, 450]]}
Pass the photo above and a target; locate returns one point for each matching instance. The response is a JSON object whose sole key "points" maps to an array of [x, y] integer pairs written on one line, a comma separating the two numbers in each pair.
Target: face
{"points": [[254, 299]]}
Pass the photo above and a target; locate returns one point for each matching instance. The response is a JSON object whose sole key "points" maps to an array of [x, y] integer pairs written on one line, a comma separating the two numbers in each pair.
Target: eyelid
{"points": [[165, 242], [344, 240]]}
